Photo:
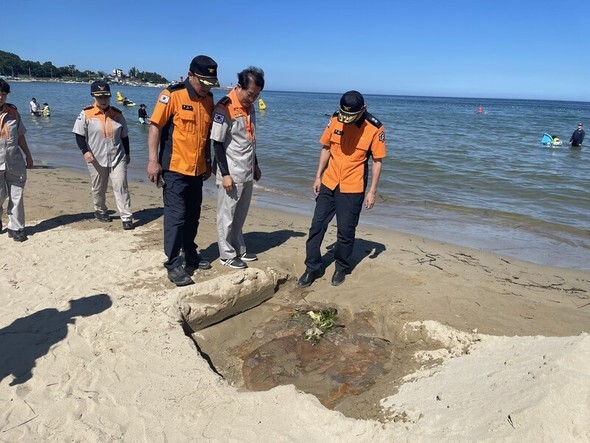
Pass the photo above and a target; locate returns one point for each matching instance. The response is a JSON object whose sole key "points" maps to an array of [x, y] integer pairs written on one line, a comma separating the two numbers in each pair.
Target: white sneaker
{"points": [[234, 263]]}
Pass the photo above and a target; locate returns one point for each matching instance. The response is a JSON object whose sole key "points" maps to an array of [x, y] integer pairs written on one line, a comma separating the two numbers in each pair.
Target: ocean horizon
{"points": [[477, 180], [223, 88]]}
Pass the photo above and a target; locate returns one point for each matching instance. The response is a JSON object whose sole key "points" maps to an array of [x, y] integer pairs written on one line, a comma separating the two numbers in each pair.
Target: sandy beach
{"points": [[456, 344]]}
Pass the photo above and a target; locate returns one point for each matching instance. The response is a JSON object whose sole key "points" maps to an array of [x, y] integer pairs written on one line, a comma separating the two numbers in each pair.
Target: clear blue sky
{"points": [[462, 48]]}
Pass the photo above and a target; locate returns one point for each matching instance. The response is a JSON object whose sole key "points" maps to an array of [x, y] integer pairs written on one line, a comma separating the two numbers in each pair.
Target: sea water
{"points": [[478, 180]]}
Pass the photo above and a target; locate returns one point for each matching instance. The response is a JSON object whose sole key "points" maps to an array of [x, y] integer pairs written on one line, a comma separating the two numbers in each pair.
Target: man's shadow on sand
{"points": [[362, 249], [140, 218], [257, 242], [29, 338]]}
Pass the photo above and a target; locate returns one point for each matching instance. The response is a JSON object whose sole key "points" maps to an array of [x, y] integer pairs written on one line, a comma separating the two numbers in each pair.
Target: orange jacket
{"points": [[185, 120], [350, 147]]}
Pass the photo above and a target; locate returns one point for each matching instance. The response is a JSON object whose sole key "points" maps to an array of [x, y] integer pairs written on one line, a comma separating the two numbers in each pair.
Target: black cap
{"points": [[205, 69], [100, 88], [351, 105]]}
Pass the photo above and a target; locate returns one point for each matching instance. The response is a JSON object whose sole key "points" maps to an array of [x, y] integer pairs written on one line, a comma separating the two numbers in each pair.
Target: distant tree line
{"points": [[146, 76], [12, 65]]}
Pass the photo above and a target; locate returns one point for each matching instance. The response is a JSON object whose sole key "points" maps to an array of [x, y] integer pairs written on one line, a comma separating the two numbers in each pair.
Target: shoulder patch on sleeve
{"points": [[218, 117], [374, 120], [164, 99], [224, 101]]}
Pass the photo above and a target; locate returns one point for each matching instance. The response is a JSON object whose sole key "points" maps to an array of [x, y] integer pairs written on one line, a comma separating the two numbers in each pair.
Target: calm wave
{"points": [[480, 180]]}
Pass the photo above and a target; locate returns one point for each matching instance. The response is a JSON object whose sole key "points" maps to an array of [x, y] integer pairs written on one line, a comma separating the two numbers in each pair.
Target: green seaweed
{"points": [[322, 321]]}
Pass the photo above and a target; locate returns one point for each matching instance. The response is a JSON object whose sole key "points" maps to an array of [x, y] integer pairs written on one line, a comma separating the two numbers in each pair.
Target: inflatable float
{"points": [[550, 141]]}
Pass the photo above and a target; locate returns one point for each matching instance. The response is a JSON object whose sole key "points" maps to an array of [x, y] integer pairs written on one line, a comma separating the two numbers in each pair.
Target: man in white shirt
{"points": [[34, 106]]}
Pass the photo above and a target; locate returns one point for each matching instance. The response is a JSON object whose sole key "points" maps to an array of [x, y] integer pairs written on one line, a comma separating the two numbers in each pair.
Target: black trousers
{"points": [[183, 195], [347, 208]]}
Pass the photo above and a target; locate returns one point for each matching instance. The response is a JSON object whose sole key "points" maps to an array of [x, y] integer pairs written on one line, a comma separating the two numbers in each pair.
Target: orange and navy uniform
{"points": [[350, 147], [185, 121]]}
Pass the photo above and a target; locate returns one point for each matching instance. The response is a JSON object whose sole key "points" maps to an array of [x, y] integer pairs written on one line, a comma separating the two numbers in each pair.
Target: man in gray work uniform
{"points": [[102, 136], [234, 138]]}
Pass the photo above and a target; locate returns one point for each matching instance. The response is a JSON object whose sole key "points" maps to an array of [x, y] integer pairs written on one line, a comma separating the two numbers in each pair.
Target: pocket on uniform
{"points": [[363, 144], [187, 122], [335, 138], [362, 148]]}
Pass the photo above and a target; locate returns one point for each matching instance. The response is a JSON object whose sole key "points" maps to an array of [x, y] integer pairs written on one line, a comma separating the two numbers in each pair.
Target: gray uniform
{"points": [[230, 122], [103, 133], [13, 172]]}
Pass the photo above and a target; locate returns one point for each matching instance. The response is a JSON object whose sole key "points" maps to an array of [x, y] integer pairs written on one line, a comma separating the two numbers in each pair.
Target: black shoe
{"points": [[234, 263], [246, 256], [17, 235], [307, 279], [204, 264], [102, 217], [179, 277], [190, 267], [338, 278], [128, 225]]}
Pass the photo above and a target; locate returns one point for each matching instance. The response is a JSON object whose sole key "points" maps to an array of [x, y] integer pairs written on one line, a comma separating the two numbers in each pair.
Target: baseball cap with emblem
{"points": [[100, 88], [351, 105], [205, 69]]}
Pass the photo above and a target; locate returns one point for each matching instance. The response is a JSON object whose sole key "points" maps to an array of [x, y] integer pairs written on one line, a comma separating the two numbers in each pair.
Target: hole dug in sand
{"points": [[350, 369]]}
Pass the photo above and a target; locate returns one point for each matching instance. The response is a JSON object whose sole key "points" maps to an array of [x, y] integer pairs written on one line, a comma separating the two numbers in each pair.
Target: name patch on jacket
{"points": [[187, 107], [338, 132]]}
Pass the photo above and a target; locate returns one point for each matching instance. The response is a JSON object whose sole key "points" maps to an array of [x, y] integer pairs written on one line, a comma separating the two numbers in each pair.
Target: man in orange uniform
{"points": [[350, 139], [180, 160]]}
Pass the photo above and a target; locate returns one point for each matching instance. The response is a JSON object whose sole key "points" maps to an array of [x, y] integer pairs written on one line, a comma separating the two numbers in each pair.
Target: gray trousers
{"points": [[232, 210], [99, 177], [12, 186]]}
